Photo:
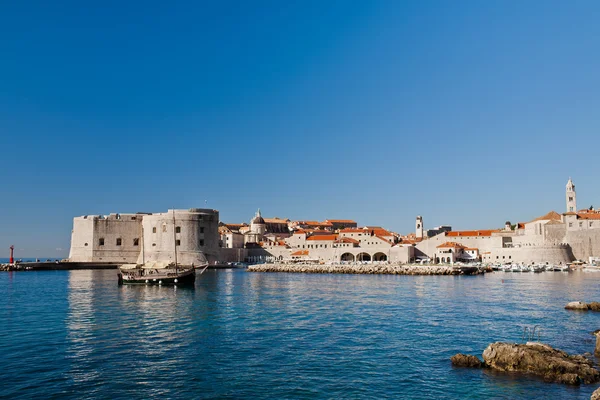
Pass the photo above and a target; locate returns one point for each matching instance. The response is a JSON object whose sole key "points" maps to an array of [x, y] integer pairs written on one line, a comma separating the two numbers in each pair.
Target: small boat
{"points": [[160, 274]]}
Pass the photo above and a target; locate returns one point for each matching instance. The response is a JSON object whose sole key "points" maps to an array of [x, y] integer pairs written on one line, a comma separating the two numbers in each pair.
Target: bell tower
{"points": [[571, 197], [419, 227]]}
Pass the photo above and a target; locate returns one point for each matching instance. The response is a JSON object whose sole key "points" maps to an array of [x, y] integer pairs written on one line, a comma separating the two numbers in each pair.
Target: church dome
{"points": [[258, 219]]}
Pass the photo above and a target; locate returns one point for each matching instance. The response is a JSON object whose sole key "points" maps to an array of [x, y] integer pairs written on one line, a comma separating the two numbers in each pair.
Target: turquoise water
{"points": [[76, 334]]}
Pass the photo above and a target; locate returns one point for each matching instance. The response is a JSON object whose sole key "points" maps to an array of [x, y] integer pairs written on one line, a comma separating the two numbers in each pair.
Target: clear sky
{"points": [[469, 113]]}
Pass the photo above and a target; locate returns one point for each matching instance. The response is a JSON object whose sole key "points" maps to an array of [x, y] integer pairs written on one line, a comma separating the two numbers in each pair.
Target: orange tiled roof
{"points": [[276, 221], [471, 248], [323, 237], [341, 221], [352, 230], [384, 239], [347, 240], [300, 253], [552, 216], [453, 245], [485, 232], [588, 214]]}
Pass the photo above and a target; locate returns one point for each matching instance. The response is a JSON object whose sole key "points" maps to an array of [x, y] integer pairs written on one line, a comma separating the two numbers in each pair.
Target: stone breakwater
{"points": [[376, 269]]}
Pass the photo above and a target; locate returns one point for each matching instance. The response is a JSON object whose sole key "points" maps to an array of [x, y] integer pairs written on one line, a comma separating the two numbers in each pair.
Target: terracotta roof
{"points": [[453, 245], [352, 230], [552, 215], [300, 253], [521, 225], [588, 214], [276, 221], [347, 240], [341, 221], [485, 232], [471, 248], [323, 237]]}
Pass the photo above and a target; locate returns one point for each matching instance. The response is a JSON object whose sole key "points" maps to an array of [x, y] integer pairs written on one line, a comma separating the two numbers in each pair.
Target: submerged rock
{"points": [[542, 360], [577, 305], [465, 360]]}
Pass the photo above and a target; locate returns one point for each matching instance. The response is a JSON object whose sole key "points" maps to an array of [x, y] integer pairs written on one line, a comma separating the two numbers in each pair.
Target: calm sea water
{"points": [[76, 334]]}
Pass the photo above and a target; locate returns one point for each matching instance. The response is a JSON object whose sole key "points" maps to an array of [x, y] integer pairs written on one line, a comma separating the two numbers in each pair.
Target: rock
{"points": [[576, 305], [594, 306], [542, 360], [597, 349], [465, 360], [596, 395]]}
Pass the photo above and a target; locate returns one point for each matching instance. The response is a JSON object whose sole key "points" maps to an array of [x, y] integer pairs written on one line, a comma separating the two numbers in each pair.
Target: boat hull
{"points": [[186, 278]]}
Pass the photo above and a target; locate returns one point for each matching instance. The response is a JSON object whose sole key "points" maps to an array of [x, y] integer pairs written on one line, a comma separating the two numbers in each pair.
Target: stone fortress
{"points": [[198, 237]]}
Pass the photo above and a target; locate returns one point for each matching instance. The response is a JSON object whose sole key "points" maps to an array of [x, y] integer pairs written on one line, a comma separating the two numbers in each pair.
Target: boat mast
{"points": [[175, 239]]}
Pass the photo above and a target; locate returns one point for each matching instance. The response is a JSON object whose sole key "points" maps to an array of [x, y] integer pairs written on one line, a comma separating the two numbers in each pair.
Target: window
{"points": [[178, 242], [177, 229], [101, 242], [570, 224], [136, 241], [201, 229], [201, 242], [153, 244], [509, 257], [118, 241], [154, 230], [580, 224], [133, 218], [85, 244], [164, 227]]}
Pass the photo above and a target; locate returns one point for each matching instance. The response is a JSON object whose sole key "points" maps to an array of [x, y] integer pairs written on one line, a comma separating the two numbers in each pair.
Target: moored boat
{"points": [[156, 274]]}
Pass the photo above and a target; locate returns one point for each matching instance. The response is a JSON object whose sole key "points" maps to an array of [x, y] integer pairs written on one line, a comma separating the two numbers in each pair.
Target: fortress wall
{"points": [[534, 254], [86, 245], [584, 243], [483, 243], [82, 239], [198, 237]]}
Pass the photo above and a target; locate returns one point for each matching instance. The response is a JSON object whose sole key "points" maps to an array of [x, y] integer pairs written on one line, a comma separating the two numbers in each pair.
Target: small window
{"points": [[133, 218], [101, 242], [85, 244], [153, 244], [154, 230], [570, 224], [201, 229], [164, 227], [118, 241], [177, 229], [509, 257], [136, 241], [178, 242], [580, 224], [201, 242]]}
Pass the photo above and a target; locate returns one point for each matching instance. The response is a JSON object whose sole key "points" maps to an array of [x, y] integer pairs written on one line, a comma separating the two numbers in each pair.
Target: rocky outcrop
{"points": [[581, 306], [541, 360], [385, 269], [577, 305], [596, 395], [465, 360]]}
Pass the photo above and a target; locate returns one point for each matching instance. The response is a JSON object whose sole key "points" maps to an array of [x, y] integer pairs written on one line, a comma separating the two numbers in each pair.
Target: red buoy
{"points": [[11, 260]]}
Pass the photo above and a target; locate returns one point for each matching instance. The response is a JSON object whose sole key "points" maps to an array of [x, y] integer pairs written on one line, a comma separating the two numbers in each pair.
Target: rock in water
{"points": [[542, 360], [596, 395], [576, 305], [594, 306], [465, 360]]}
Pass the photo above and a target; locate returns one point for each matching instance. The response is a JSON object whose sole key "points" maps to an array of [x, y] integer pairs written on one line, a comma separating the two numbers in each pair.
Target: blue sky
{"points": [[468, 113]]}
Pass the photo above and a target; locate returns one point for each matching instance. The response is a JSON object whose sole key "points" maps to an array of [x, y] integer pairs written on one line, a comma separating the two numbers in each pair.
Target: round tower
{"points": [[571, 197]]}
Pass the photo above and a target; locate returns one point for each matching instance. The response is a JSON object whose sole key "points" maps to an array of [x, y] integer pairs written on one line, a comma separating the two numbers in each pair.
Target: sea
{"points": [[245, 335]]}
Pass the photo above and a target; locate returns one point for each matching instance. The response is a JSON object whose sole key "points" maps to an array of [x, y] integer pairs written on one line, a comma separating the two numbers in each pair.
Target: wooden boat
{"points": [[156, 274], [159, 273]]}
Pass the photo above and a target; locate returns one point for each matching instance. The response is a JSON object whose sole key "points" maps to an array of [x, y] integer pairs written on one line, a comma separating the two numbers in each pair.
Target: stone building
{"points": [[143, 237]]}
